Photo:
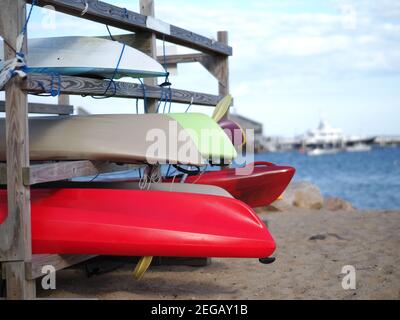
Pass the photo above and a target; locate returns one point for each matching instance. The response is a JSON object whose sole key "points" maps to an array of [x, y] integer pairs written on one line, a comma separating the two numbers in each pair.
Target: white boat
{"points": [[321, 151], [323, 140], [359, 147], [328, 140], [86, 56]]}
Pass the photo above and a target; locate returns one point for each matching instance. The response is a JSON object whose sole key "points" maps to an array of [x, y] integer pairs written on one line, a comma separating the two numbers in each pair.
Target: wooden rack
{"points": [[18, 266]]}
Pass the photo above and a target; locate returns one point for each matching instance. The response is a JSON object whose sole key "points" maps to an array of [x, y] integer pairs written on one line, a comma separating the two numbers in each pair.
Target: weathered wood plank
{"points": [[33, 269], [148, 44], [69, 169], [56, 171], [63, 99], [15, 232], [137, 41], [131, 21], [223, 67], [18, 287], [39, 83], [44, 108], [182, 58]]}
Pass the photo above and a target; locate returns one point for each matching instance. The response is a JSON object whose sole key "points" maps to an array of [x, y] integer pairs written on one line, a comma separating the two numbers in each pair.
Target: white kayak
{"points": [[90, 57]]}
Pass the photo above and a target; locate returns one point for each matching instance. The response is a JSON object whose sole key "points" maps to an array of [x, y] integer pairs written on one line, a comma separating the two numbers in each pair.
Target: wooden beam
{"points": [[137, 41], [223, 68], [15, 232], [105, 13], [64, 170], [33, 269], [218, 66], [63, 99], [148, 44], [39, 83], [56, 171], [43, 108], [18, 287], [182, 58], [12, 232]]}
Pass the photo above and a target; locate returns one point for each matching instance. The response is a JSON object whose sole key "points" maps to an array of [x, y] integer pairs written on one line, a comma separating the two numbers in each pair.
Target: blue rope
{"points": [[166, 94], [144, 96], [170, 100], [55, 93], [116, 68], [112, 82], [24, 29], [161, 99], [188, 108], [109, 32]]}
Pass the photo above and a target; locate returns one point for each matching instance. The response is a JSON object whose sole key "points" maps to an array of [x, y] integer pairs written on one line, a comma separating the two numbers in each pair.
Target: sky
{"points": [[294, 61]]}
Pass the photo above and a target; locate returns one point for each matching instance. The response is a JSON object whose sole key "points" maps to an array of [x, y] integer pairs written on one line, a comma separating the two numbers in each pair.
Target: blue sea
{"points": [[369, 180]]}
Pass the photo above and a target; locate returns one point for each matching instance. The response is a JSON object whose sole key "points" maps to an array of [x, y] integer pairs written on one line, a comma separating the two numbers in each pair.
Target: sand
{"points": [[304, 269]]}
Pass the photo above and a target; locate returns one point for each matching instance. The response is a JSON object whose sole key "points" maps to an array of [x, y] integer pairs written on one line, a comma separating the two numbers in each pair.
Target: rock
{"points": [[317, 237], [336, 204], [325, 236], [303, 195]]}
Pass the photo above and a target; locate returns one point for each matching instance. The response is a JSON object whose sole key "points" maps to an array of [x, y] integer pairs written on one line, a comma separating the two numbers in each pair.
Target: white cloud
{"points": [[308, 45]]}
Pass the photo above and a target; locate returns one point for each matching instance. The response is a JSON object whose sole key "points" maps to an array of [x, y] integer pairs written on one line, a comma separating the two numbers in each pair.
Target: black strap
{"points": [[187, 171]]}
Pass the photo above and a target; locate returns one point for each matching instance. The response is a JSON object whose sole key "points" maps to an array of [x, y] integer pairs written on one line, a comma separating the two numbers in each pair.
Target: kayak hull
{"points": [[132, 223], [257, 185]]}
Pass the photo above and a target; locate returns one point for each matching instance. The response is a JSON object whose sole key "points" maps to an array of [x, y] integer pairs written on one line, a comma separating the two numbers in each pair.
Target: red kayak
{"points": [[143, 223], [260, 184]]}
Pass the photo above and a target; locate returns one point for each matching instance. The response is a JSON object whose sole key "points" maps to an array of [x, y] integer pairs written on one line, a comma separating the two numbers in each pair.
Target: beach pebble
{"points": [[304, 195], [336, 204]]}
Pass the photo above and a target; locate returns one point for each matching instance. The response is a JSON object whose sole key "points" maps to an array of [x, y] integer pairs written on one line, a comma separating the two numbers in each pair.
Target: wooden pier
{"points": [[18, 266]]}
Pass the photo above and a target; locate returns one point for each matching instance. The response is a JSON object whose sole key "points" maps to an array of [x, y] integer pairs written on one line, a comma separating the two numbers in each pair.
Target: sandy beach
{"points": [[313, 246]]}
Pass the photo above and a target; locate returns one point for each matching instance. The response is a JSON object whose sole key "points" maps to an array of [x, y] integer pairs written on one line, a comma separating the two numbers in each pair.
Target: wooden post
{"points": [[63, 99], [223, 77], [218, 66], [148, 44], [15, 232]]}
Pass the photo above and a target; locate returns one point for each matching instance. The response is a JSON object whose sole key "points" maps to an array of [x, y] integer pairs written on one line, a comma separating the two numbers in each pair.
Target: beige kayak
{"points": [[145, 138]]}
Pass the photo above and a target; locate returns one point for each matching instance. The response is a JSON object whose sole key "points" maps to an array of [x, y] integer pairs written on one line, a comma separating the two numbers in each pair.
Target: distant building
{"points": [[247, 124]]}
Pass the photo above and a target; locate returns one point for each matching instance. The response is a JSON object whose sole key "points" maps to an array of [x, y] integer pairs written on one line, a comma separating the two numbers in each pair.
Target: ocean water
{"points": [[369, 180]]}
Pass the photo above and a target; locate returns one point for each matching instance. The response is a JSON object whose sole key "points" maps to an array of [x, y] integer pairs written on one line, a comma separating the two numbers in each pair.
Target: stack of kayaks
{"points": [[208, 216]]}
